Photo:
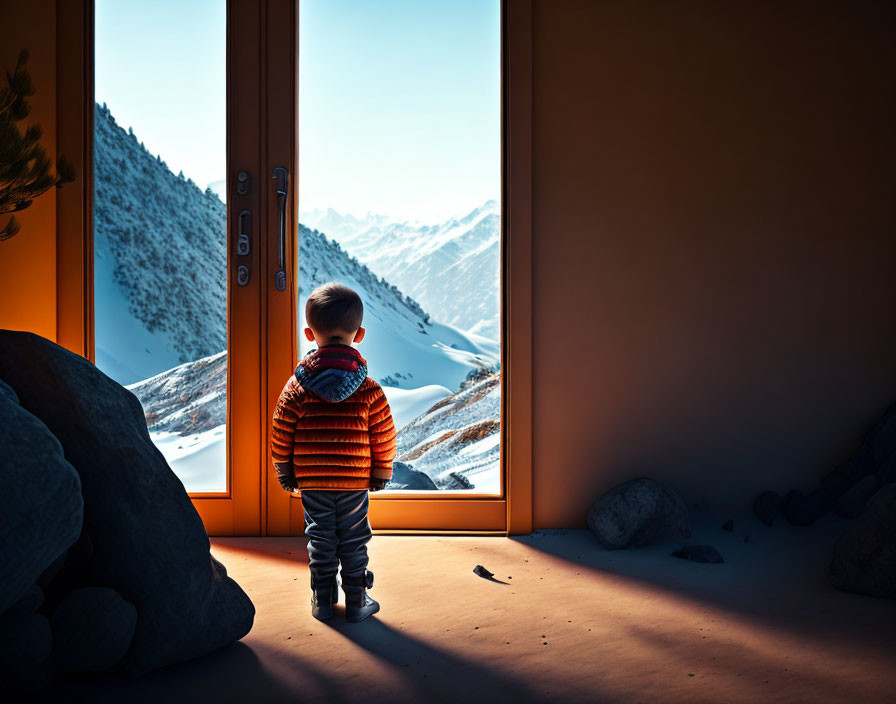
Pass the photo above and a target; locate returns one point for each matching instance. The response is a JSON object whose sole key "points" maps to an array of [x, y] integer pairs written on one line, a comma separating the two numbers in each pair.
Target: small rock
{"points": [[456, 480], [766, 505], [728, 525], [404, 476], [698, 553], [804, 509], [482, 572], [638, 512], [853, 502]]}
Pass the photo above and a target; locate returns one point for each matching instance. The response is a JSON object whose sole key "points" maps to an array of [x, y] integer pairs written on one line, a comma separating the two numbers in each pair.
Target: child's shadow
{"points": [[437, 675]]}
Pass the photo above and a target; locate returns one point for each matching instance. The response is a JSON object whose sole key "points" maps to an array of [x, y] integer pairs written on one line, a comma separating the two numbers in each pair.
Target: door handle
{"points": [[244, 234], [281, 186]]}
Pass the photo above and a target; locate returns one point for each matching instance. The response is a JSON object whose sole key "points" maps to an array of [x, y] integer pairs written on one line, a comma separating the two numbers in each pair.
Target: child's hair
{"points": [[332, 307]]}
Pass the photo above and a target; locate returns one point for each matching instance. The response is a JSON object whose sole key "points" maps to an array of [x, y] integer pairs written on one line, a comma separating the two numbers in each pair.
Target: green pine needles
{"points": [[24, 165]]}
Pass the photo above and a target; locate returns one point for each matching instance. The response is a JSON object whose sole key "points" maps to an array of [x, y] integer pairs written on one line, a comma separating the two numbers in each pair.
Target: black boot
{"points": [[358, 605], [324, 594]]}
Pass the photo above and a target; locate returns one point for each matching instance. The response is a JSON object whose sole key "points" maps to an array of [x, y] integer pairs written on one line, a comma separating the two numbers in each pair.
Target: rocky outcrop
{"points": [[864, 557], [848, 487], [405, 477], [638, 512], [143, 537]]}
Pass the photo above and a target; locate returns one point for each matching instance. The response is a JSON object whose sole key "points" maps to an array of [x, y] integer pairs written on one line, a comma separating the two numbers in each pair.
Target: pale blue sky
{"points": [[399, 99], [160, 67]]}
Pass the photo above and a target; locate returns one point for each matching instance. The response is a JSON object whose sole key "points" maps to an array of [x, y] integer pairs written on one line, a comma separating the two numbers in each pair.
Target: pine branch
{"points": [[25, 167]]}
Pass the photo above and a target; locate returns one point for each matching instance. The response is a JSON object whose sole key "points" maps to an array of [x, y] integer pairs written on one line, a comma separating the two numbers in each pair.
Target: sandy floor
{"points": [[569, 622]]}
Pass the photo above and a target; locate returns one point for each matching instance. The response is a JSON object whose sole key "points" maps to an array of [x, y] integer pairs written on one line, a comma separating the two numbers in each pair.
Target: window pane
{"points": [[399, 198], [160, 286]]}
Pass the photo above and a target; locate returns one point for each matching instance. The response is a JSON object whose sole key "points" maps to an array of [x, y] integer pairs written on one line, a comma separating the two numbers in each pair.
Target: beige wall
{"points": [[714, 244], [28, 260]]}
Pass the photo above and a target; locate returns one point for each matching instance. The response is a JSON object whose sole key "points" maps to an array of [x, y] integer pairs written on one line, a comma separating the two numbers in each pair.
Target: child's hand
{"points": [[286, 476], [378, 484]]}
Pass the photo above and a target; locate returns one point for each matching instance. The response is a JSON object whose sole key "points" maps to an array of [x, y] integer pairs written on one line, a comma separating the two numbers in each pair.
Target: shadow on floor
{"points": [[436, 675], [233, 674], [776, 575]]}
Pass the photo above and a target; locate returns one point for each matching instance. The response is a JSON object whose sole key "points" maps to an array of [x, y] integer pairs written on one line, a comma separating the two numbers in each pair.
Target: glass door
{"points": [[246, 152], [399, 170], [176, 256]]}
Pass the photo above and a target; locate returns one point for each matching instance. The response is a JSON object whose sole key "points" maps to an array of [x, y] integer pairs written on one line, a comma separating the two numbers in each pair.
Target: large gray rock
{"points": [[405, 477], [149, 542], [864, 557], [26, 645], [40, 503], [638, 512], [92, 629]]}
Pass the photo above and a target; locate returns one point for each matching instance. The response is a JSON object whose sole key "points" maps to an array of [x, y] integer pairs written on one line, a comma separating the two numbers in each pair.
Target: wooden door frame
{"points": [[262, 508], [511, 512], [239, 510]]}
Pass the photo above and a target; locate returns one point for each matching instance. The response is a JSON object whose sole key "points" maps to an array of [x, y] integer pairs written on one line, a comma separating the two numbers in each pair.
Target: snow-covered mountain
{"points": [[160, 291], [404, 347], [452, 268], [159, 260], [160, 282], [186, 413], [457, 441]]}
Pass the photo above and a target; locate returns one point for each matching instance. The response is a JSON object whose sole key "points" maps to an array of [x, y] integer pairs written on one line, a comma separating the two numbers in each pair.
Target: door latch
{"points": [[242, 183], [244, 233]]}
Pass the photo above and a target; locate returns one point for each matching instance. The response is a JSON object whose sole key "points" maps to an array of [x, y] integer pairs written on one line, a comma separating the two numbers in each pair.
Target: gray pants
{"points": [[338, 531]]}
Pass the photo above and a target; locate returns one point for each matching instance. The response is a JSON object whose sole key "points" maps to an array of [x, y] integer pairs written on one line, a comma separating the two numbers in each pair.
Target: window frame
{"points": [[255, 504]]}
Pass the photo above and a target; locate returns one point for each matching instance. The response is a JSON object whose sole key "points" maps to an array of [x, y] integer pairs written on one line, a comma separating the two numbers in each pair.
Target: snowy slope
{"points": [[452, 268], [459, 435], [186, 414], [403, 347], [160, 292], [408, 404], [160, 260]]}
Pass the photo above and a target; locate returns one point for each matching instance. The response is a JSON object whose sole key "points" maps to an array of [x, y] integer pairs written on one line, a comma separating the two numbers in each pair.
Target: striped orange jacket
{"points": [[336, 445]]}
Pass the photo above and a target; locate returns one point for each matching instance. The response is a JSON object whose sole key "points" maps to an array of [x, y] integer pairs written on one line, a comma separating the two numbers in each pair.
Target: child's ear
{"points": [[309, 334], [359, 335]]}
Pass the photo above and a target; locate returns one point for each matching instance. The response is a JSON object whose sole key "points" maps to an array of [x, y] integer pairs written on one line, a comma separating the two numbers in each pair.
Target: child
{"points": [[333, 439]]}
